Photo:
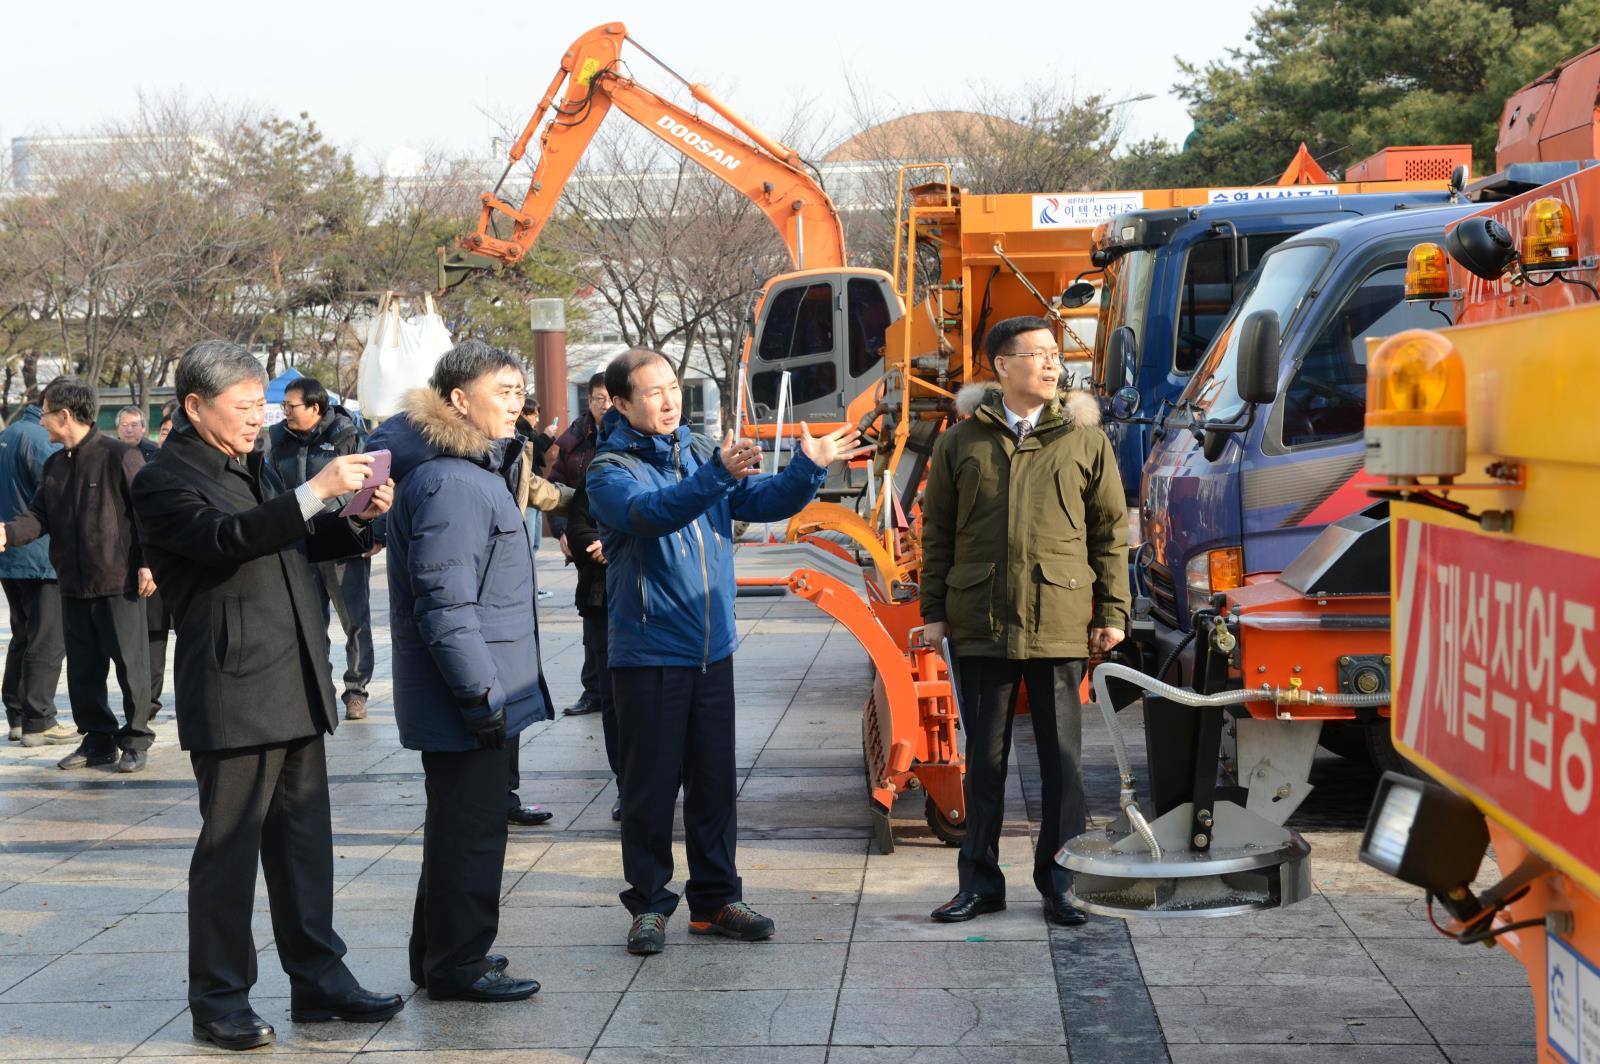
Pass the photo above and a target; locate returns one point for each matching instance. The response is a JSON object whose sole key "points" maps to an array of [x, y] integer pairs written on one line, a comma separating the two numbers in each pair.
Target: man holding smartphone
{"points": [[232, 553]]}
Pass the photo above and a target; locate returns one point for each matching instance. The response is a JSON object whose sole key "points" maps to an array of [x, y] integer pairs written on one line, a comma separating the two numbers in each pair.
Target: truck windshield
{"points": [[1286, 276], [1124, 298]]}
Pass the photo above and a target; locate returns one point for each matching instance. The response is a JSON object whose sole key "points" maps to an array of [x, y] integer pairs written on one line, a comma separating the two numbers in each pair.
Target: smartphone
{"points": [[376, 478]]}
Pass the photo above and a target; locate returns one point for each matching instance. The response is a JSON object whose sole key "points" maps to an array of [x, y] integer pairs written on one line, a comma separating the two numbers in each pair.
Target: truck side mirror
{"points": [[1125, 403], [1078, 294], [1257, 375], [1119, 353], [1482, 246]]}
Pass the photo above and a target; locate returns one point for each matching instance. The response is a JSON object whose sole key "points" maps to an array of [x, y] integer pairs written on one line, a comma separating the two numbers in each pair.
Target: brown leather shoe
{"points": [[355, 707]]}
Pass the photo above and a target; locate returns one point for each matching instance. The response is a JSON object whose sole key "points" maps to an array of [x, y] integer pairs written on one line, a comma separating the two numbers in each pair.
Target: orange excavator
{"points": [[591, 81]]}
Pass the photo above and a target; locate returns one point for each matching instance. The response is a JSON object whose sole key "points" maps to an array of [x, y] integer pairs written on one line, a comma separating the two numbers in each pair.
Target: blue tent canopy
{"points": [[278, 384]]}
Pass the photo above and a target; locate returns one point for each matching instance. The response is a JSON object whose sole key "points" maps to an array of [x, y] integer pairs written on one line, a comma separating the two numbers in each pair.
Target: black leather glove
{"points": [[490, 731]]}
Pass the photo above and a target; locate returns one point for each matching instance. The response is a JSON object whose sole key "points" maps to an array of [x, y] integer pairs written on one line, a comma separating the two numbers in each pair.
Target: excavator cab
{"points": [[827, 329]]}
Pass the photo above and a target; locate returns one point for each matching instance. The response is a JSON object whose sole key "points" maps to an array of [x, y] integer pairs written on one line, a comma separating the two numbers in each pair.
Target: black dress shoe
{"points": [[358, 1006], [1059, 910], [528, 815], [498, 962], [582, 706], [491, 986], [237, 1030], [616, 809], [965, 905]]}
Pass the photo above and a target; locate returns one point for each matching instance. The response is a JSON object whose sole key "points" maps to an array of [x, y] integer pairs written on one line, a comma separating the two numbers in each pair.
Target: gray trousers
{"points": [[346, 586]]}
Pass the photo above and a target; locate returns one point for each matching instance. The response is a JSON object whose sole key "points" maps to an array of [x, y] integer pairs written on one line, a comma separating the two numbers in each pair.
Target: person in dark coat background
{"points": [[467, 677], [313, 433], [576, 450], [132, 430], [158, 617], [588, 555], [36, 650], [233, 554]]}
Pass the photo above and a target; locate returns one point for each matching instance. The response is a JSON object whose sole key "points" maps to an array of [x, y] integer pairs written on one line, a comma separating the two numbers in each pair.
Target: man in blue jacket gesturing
{"points": [[665, 502]]}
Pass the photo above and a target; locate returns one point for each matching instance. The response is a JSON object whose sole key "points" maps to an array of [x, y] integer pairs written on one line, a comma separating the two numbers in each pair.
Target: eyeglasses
{"points": [[1050, 357], [509, 393], [295, 406]]}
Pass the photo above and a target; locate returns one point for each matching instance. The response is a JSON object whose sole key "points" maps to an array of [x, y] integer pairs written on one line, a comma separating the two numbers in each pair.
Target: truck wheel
{"points": [[1366, 744], [947, 832]]}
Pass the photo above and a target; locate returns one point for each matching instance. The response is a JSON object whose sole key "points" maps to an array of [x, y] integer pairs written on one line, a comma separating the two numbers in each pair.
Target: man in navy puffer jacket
{"points": [[665, 502], [466, 648]]}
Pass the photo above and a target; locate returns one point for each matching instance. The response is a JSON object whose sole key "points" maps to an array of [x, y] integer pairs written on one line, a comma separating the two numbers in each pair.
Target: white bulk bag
{"points": [[399, 356]]}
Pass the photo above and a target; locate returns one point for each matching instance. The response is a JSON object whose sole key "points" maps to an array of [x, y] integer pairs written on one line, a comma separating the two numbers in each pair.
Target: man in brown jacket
{"points": [[1026, 573]]}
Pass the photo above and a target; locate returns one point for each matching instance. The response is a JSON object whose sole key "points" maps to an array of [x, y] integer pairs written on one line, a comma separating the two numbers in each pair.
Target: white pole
{"points": [[777, 443], [741, 386], [783, 414]]}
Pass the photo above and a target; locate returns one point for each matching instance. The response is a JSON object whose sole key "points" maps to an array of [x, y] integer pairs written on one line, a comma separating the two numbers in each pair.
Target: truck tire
{"points": [[1366, 744]]}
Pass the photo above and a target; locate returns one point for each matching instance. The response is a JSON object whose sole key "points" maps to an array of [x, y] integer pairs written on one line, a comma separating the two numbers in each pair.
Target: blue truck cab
{"points": [[1248, 492], [1172, 276]]}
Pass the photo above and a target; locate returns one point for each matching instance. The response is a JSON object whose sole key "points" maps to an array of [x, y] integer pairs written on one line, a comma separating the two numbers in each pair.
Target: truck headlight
{"points": [[1427, 836], [1211, 571]]}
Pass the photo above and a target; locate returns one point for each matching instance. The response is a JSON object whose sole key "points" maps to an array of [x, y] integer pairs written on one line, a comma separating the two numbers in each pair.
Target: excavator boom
{"points": [[590, 82]]}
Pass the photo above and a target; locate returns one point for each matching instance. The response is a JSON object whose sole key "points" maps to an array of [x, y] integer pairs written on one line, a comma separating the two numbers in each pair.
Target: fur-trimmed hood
{"points": [[1077, 407], [437, 422]]}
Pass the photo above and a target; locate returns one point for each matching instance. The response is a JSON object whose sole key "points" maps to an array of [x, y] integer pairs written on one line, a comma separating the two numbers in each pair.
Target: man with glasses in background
{"points": [[313, 433], [1025, 571]]}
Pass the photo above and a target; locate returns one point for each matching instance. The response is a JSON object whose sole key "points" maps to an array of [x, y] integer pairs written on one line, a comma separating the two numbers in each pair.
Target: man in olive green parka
{"points": [[1025, 571]]}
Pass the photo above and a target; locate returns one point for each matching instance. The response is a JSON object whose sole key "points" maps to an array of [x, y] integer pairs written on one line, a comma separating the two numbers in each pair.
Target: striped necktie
{"points": [[1023, 428]]}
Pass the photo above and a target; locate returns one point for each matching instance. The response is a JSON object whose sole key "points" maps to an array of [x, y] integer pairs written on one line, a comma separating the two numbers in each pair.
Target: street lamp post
{"points": [[549, 320]]}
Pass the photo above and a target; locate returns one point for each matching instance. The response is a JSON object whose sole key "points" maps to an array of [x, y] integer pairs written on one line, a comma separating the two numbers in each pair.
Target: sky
{"points": [[407, 74]]}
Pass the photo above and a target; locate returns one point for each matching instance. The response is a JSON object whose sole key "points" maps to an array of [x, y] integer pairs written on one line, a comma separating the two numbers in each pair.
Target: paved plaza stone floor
{"points": [[93, 894]]}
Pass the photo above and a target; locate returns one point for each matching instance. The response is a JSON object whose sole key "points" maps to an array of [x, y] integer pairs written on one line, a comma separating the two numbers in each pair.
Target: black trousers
{"points": [[457, 914], [988, 706], [33, 657], [101, 633], [595, 649], [266, 803], [160, 624], [514, 782], [675, 727], [346, 587], [593, 677]]}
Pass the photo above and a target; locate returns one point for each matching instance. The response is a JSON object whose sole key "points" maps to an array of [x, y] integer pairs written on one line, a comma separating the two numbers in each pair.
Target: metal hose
{"points": [[1183, 696]]}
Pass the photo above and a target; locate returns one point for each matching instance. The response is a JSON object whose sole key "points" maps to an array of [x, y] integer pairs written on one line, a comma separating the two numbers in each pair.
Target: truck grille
{"points": [[1163, 594]]}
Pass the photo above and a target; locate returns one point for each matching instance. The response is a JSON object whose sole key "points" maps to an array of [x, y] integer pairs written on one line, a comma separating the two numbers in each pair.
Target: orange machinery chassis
{"points": [[909, 724]]}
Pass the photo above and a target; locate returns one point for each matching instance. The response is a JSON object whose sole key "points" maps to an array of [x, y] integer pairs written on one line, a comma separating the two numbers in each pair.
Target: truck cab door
{"points": [[828, 330]]}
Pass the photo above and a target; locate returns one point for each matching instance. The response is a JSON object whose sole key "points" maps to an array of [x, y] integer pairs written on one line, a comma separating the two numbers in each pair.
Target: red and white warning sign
{"points": [[1496, 683]]}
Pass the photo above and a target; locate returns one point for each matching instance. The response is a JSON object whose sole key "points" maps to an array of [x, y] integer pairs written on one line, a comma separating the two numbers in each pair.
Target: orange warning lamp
{"points": [[1427, 274], [1549, 240], [1416, 423]]}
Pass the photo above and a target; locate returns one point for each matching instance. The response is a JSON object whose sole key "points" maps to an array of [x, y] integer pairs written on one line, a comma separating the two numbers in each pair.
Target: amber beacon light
{"points": [[1548, 239], [1416, 407], [1427, 273]]}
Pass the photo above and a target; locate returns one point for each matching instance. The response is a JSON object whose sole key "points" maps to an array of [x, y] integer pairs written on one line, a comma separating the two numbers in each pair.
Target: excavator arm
{"points": [[589, 83]]}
